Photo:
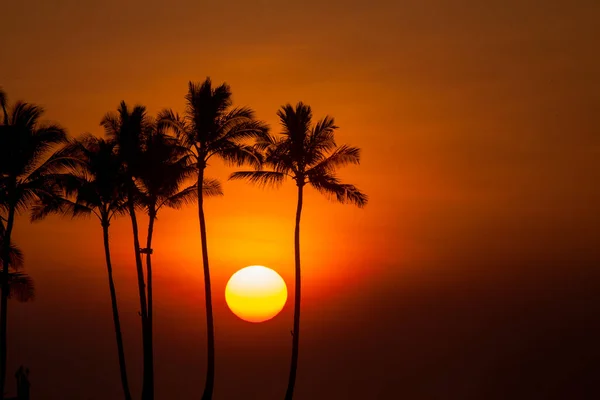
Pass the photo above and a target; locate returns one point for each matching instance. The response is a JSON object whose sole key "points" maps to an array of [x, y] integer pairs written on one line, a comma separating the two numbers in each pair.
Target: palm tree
{"points": [[26, 173], [211, 127], [163, 166], [95, 188], [309, 155], [127, 129]]}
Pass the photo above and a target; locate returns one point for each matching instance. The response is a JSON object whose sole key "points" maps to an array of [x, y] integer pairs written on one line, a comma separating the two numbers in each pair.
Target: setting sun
{"points": [[256, 293]]}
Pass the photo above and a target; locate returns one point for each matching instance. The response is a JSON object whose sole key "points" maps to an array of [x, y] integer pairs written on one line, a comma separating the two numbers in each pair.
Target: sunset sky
{"points": [[473, 273]]}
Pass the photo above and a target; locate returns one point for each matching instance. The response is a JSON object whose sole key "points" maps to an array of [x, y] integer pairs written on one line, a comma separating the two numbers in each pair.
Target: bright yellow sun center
{"points": [[256, 293]]}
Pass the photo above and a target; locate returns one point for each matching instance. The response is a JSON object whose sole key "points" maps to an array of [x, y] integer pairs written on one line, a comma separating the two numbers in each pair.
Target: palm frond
{"points": [[242, 129], [331, 187], [205, 105], [63, 207], [16, 259], [295, 121], [167, 120], [59, 161], [15, 255], [341, 156], [189, 195], [26, 115], [20, 287], [260, 178], [237, 155], [110, 123], [265, 142], [211, 187]]}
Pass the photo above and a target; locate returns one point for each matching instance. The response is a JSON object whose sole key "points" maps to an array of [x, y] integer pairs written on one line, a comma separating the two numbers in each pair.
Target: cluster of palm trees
{"points": [[144, 164]]}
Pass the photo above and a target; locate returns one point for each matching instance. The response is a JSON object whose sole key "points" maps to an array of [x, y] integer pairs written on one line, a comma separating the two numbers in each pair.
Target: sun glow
{"points": [[256, 293]]}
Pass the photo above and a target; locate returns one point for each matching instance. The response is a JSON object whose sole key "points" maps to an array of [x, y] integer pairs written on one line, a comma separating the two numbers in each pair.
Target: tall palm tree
{"points": [[127, 129], [94, 188], [26, 170], [163, 167], [308, 154], [210, 127]]}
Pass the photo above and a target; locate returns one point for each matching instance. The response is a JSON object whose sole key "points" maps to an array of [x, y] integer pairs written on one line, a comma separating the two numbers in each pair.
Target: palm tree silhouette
{"points": [[127, 128], [94, 188], [211, 127], [26, 174], [309, 155], [163, 167]]}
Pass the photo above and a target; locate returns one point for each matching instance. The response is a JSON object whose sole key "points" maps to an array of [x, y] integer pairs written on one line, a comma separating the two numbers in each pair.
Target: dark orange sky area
{"points": [[473, 273]]}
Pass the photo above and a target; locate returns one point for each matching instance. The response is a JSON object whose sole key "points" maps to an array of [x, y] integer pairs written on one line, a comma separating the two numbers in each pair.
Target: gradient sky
{"points": [[474, 271]]}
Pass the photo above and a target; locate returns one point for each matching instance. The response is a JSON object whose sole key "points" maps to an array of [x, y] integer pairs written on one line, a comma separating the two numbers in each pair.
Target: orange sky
{"points": [[478, 123]]}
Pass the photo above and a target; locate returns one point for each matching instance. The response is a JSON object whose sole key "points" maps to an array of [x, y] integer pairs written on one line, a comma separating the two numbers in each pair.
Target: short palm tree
{"points": [[163, 167], [309, 155], [210, 127], [27, 165], [94, 188], [127, 128]]}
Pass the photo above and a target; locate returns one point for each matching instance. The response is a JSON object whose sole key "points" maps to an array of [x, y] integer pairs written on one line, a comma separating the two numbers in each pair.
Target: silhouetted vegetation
{"points": [[20, 285], [94, 187], [27, 171], [145, 164], [210, 127], [309, 155]]}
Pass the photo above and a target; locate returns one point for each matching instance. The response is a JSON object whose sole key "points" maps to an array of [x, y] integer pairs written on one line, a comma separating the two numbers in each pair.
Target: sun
{"points": [[256, 293]]}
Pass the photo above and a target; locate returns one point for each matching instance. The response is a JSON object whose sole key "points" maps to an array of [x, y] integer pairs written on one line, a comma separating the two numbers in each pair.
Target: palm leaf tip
{"points": [[340, 192], [20, 287]]}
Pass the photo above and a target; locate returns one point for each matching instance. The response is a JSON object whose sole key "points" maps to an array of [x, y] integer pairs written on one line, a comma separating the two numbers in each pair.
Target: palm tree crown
{"points": [[163, 167], [211, 127], [94, 187], [26, 170], [307, 154]]}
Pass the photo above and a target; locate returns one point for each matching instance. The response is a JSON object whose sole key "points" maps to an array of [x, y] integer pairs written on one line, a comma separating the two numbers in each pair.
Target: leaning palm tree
{"points": [[94, 188], [163, 167], [210, 128], [127, 128], [309, 155], [26, 173]]}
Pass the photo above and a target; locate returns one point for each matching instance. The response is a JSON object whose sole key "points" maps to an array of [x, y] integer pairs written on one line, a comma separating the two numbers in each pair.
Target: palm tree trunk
{"points": [[115, 311], [289, 394], [5, 113], [210, 329], [152, 216], [4, 301], [147, 385]]}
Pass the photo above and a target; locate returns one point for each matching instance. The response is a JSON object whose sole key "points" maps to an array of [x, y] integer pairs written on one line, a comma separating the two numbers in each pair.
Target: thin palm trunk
{"points": [[210, 330], [149, 273], [5, 114], [115, 310], [289, 394], [147, 385], [4, 301]]}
